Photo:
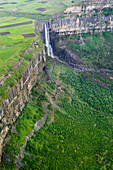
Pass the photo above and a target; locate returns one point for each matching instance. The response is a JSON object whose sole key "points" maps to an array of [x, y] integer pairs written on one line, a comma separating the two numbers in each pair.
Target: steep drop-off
{"points": [[19, 95], [78, 130], [82, 24]]}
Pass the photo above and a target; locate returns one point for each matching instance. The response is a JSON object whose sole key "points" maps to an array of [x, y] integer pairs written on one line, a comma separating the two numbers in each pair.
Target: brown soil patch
{"points": [[13, 25], [41, 9], [5, 3], [29, 0], [12, 2], [43, 2], [29, 35], [4, 33]]}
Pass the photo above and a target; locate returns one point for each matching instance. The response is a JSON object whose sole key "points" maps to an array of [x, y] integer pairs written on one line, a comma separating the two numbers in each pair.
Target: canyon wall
{"points": [[76, 25], [82, 24], [88, 6], [19, 95]]}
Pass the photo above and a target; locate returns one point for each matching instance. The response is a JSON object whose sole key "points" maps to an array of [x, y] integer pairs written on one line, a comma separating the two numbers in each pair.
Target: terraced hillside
{"points": [[16, 49]]}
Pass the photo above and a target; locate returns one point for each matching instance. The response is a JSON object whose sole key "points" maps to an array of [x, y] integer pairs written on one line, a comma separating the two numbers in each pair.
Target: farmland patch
{"points": [[5, 3], [4, 33], [43, 2], [13, 25], [29, 35], [12, 48], [29, 0], [41, 9]]}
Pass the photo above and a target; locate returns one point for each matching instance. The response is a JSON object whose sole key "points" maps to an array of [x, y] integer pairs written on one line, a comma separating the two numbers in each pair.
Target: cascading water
{"points": [[47, 41]]}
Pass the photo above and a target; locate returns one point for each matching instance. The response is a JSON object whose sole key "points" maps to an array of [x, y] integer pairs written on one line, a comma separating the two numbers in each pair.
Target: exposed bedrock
{"points": [[19, 94], [82, 24], [76, 25], [64, 54], [89, 6]]}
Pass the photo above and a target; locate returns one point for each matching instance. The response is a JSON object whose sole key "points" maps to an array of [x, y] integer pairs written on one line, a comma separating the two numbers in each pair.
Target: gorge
{"points": [[65, 90], [77, 26]]}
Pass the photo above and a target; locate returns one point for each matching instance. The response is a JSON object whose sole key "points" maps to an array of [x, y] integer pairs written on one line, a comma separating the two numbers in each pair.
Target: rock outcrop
{"points": [[82, 24], [18, 95], [88, 6]]}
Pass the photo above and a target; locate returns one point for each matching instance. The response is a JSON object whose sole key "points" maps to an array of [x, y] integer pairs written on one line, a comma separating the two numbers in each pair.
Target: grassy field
{"points": [[78, 131], [51, 6], [12, 42], [12, 50]]}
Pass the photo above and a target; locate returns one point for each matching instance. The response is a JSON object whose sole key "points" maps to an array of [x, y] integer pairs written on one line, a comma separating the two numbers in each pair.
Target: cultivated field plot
{"points": [[48, 7], [16, 36], [13, 42]]}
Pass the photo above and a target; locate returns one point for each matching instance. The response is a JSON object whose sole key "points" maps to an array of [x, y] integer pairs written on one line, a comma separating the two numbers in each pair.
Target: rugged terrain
{"points": [[56, 114], [78, 130]]}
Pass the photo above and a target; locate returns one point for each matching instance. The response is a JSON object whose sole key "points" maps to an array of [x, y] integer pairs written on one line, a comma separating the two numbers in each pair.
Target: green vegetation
{"points": [[107, 11], [23, 126], [30, 9], [13, 44], [78, 131], [16, 51], [97, 52]]}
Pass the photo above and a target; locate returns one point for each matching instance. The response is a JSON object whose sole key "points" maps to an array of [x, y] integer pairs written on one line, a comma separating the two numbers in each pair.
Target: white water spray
{"points": [[47, 41]]}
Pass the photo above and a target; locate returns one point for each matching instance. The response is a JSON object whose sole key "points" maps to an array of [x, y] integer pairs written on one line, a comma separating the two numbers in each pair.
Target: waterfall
{"points": [[47, 41]]}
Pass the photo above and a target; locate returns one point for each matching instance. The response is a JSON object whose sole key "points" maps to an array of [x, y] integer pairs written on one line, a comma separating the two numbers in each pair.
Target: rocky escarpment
{"points": [[18, 95], [76, 25], [82, 24], [64, 54], [88, 6]]}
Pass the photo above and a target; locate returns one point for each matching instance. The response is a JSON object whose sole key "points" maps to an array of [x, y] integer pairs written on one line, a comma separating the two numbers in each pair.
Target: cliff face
{"points": [[82, 24], [76, 25], [18, 95], [88, 6]]}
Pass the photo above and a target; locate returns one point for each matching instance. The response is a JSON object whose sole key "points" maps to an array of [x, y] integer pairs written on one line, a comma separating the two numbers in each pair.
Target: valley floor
{"points": [[78, 131]]}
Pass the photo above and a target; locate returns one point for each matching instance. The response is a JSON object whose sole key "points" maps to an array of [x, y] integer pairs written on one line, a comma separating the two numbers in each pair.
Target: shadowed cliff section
{"points": [[71, 38]]}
